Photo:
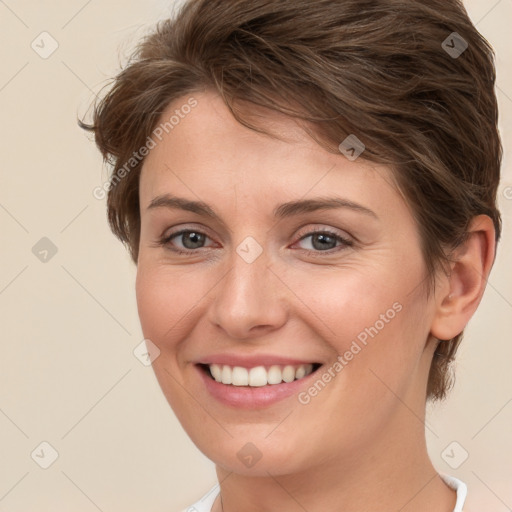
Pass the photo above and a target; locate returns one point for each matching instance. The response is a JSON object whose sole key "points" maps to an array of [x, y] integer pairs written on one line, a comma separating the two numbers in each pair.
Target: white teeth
{"points": [[301, 371], [239, 376], [216, 372], [275, 375], [226, 375], [289, 374], [259, 375]]}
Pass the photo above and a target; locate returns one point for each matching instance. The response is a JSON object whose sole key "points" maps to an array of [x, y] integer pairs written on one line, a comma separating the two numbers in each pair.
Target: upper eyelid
{"points": [[205, 230]]}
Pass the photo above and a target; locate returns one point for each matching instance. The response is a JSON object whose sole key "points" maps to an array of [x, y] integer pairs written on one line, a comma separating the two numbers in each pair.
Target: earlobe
{"points": [[466, 282]]}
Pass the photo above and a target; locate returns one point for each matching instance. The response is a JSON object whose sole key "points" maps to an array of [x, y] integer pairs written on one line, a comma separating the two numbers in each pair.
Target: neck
{"points": [[393, 473]]}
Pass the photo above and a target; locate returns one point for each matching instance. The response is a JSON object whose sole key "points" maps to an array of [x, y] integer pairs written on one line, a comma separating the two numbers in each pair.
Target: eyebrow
{"points": [[284, 210]]}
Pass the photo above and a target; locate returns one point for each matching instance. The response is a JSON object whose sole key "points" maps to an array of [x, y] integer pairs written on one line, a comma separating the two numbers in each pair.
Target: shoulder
{"points": [[460, 488], [205, 503]]}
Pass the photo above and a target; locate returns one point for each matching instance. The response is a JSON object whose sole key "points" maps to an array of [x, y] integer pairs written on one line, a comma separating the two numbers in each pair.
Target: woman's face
{"points": [[264, 282]]}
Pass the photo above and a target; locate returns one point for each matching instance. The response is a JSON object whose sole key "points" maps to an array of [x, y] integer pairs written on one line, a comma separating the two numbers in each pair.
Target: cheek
{"points": [[383, 353], [163, 300], [347, 304], [371, 319]]}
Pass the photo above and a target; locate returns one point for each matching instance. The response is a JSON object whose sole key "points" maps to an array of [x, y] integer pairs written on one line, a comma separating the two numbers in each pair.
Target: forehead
{"points": [[207, 154]]}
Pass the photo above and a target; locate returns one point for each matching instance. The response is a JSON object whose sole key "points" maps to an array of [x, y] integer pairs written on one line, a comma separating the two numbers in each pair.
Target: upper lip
{"points": [[253, 361]]}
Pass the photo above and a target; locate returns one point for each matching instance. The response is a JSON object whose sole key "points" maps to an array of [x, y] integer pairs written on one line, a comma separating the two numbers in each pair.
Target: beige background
{"points": [[68, 375]]}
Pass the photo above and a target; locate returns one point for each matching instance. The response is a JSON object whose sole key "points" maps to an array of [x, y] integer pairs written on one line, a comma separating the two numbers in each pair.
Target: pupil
{"points": [[195, 243], [324, 238]]}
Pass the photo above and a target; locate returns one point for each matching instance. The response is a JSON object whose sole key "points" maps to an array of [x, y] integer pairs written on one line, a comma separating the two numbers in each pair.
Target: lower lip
{"points": [[246, 397]]}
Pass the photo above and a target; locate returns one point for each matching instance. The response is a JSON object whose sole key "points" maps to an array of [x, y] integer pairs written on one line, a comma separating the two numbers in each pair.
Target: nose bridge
{"points": [[248, 295]]}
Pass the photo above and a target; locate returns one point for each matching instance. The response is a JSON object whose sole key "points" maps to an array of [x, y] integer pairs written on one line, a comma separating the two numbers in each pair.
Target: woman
{"points": [[308, 190]]}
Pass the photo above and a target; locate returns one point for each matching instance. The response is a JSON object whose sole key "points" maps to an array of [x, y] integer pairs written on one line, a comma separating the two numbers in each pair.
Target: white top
{"points": [[206, 502]]}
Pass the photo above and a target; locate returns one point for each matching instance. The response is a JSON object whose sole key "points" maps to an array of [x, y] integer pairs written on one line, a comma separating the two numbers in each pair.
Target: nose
{"points": [[250, 300]]}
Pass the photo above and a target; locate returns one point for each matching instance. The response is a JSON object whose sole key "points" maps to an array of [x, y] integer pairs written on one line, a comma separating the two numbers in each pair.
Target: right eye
{"points": [[191, 239]]}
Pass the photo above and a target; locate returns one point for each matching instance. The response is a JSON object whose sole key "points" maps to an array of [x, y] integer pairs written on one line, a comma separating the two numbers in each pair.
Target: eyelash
{"points": [[165, 242]]}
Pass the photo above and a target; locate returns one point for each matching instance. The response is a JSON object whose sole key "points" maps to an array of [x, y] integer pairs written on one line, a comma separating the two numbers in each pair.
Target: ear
{"points": [[465, 285]]}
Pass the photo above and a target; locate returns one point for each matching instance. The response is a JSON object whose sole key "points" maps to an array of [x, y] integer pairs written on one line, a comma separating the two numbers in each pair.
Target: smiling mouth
{"points": [[258, 376]]}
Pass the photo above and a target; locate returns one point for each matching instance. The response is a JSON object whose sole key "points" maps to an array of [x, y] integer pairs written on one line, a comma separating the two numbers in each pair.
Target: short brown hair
{"points": [[387, 71]]}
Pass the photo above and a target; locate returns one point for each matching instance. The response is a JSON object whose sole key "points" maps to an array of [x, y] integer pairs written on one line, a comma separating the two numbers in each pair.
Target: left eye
{"points": [[321, 241]]}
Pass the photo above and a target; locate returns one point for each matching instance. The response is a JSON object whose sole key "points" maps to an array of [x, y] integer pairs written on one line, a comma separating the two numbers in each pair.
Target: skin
{"points": [[360, 443]]}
